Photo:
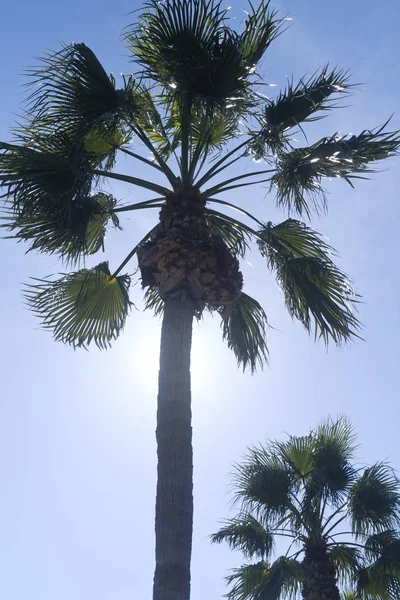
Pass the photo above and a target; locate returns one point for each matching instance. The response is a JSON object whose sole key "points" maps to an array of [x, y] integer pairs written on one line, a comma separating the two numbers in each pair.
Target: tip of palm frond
{"points": [[244, 330], [88, 306], [316, 292], [72, 236]]}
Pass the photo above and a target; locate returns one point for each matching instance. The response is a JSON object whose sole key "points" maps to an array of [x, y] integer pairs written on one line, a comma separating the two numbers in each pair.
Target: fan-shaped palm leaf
{"points": [[316, 292], [297, 454], [332, 472], [244, 330], [296, 105], [262, 26], [235, 237], [247, 534], [374, 500], [189, 50], [347, 561], [300, 172], [72, 236], [72, 92], [262, 581], [83, 307], [50, 180], [291, 239], [263, 483], [172, 40]]}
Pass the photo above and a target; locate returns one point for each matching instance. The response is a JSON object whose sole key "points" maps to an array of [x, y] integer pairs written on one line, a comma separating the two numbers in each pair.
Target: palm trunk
{"points": [[319, 574], [174, 502]]}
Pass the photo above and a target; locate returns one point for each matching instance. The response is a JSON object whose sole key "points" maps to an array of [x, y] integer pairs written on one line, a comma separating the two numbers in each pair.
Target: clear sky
{"points": [[77, 447]]}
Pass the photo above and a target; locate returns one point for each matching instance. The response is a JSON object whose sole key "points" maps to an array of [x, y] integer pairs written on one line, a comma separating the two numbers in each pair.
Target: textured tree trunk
{"points": [[174, 502], [319, 573]]}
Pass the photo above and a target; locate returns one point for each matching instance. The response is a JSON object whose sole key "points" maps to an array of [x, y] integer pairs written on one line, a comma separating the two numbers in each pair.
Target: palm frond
{"points": [[380, 580], [211, 131], [300, 172], [244, 330], [247, 534], [72, 92], [185, 46], [162, 127], [236, 238], [261, 28], [50, 179], [297, 455], [262, 483], [316, 292], [332, 472], [347, 561], [377, 543], [374, 500], [171, 39], [292, 239], [153, 301], [83, 307], [296, 105], [72, 236], [264, 581]]}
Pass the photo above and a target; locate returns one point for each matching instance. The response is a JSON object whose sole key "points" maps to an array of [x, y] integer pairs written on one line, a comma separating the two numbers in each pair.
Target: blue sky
{"points": [[77, 460]]}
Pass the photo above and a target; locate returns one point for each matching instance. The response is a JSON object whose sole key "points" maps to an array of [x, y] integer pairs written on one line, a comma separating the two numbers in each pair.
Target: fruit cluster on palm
{"points": [[341, 523], [195, 103]]}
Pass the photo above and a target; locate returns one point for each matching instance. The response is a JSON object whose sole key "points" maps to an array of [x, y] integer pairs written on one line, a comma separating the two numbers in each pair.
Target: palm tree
{"points": [[341, 523], [192, 111]]}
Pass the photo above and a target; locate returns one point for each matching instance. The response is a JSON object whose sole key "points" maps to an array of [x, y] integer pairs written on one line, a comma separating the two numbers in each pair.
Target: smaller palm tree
{"points": [[341, 523]]}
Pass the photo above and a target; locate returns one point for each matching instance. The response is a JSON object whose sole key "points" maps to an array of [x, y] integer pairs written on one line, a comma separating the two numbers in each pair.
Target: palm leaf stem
{"points": [[147, 185], [133, 252], [335, 525], [333, 515], [237, 208], [222, 185], [146, 204], [143, 138], [202, 145], [211, 172], [240, 185], [228, 164], [235, 222], [142, 159], [185, 143]]}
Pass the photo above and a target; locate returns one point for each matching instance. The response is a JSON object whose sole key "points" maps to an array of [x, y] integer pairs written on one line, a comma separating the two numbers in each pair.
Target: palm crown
{"points": [[341, 523], [195, 105]]}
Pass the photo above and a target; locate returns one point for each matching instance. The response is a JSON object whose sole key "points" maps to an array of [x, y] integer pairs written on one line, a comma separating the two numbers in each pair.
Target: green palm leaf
{"points": [[247, 534], [244, 330], [172, 40], [347, 561], [263, 483], [374, 500], [261, 28], [300, 172], [262, 581], [234, 236], [296, 105], [332, 472], [379, 581], [185, 46], [153, 301], [297, 454], [72, 236], [83, 307], [316, 292], [72, 92], [49, 180]]}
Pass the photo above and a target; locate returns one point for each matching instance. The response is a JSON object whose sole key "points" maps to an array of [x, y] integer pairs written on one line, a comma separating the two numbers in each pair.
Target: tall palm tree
{"points": [[341, 523], [192, 110]]}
